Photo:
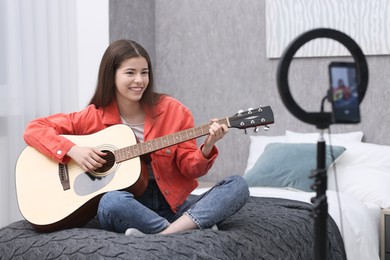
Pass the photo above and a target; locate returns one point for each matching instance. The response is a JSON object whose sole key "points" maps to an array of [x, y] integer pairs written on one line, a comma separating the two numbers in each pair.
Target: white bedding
{"points": [[359, 224]]}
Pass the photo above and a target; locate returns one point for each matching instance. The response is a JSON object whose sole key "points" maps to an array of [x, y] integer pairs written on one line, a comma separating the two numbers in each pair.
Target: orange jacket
{"points": [[175, 168]]}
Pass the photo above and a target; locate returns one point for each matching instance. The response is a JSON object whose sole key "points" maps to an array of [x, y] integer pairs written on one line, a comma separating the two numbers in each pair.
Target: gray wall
{"points": [[211, 56], [133, 20]]}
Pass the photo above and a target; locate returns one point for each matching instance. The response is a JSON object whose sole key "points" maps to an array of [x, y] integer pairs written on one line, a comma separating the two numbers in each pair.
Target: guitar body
{"points": [[53, 196]]}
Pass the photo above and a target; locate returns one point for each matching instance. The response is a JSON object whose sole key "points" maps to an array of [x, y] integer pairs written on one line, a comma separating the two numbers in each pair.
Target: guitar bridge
{"points": [[64, 176]]}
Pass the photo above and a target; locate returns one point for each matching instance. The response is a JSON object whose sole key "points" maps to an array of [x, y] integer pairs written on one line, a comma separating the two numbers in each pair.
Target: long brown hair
{"points": [[115, 54]]}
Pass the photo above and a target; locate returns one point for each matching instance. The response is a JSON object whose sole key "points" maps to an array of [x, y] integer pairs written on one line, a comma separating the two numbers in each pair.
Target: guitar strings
{"points": [[110, 160]]}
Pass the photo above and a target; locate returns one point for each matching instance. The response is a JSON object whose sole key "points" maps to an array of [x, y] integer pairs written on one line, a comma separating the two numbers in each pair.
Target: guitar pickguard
{"points": [[84, 184]]}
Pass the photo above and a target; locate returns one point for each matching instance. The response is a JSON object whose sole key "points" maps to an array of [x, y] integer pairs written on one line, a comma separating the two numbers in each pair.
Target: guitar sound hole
{"points": [[110, 161]]}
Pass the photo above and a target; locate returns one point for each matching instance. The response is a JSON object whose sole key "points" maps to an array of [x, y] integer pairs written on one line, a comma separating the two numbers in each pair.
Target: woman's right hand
{"points": [[87, 158]]}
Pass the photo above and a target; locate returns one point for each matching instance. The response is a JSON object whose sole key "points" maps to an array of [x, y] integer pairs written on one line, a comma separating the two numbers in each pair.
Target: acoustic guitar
{"points": [[54, 196]]}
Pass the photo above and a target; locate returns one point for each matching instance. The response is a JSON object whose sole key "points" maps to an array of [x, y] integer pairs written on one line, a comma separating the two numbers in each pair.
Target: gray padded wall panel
{"points": [[211, 56], [133, 20]]}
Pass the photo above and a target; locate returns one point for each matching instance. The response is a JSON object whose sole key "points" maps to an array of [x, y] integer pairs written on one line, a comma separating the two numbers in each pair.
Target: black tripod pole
{"points": [[320, 204]]}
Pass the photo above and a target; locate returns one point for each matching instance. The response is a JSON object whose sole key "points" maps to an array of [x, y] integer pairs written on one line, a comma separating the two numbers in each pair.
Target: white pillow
{"points": [[258, 142], [363, 172], [257, 145], [335, 139]]}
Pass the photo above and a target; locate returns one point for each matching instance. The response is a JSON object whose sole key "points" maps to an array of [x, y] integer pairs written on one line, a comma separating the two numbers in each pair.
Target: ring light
{"points": [[321, 120]]}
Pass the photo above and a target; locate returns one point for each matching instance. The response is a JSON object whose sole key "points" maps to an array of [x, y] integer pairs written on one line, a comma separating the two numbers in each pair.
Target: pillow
{"points": [[288, 165], [363, 172], [336, 139], [257, 145]]}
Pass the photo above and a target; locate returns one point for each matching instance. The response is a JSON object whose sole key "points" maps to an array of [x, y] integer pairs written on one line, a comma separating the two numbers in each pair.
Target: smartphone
{"points": [[344, 92]]}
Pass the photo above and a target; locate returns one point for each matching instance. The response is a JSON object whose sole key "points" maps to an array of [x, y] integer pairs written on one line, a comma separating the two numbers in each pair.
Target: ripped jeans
{"points": [[150, 213]]}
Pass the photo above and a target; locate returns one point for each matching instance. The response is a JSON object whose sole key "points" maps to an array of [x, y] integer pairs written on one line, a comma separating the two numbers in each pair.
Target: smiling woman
{"points": [[156, 202]]}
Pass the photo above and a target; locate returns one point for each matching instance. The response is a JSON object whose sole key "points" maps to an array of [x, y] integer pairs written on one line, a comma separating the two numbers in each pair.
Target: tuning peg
{"points": [[256, 130], [250, 110], [266, 128], [240, 112]]}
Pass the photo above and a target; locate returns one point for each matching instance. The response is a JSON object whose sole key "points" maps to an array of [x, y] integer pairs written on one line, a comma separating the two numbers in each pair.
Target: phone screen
{"points": [[344, 92]]}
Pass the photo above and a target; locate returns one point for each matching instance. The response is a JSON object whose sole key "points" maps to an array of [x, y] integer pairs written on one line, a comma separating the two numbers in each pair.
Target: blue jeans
{"points": [[150, 213]]}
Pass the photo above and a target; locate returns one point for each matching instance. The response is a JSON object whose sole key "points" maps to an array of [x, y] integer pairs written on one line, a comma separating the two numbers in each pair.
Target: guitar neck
{"points": [[139, 149]]}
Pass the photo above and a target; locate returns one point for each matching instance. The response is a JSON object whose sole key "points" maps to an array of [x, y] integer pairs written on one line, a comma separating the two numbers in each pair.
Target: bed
{"points": [[276, 223], [358, 181]]}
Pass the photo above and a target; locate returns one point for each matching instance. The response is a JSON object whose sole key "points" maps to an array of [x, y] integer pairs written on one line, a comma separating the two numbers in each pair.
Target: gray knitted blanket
{"points": [[265, 228]]}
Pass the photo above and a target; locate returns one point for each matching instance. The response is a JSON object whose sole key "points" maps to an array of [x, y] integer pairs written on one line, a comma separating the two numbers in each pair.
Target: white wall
{"points": [[52, 50], [92, 40]]}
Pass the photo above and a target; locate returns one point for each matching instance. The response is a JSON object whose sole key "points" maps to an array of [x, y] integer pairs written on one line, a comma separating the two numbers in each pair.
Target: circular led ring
{"points": [[323, 119]]}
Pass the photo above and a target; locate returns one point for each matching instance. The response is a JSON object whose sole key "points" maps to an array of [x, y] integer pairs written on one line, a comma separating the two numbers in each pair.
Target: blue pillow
{"points": [[288, 165]]}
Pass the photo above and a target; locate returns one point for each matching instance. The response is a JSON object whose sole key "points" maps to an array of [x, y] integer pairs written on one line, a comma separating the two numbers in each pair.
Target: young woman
{"points": [[125, 95]]}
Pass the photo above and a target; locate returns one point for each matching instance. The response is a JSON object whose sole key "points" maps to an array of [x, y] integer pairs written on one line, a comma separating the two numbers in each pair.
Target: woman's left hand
{"points": [[217, 132]]}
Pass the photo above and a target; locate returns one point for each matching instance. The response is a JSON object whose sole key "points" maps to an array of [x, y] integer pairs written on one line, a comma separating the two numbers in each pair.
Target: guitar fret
{"points": [[205, 129], [120, 155], [150, 146], [165, 140], [191, 132], [131, 152], [144, 148], [170, 139], [141, 147], [159, 143], [134, 150], [198, 131], [154, 145]]}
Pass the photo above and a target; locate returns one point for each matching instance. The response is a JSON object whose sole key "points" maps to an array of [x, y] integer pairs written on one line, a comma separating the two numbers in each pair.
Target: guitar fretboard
{"points": [[139, 149]]}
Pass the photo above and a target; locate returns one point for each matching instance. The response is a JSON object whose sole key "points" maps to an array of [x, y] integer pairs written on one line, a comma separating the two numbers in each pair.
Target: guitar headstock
{"points": [[253, 117]]}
